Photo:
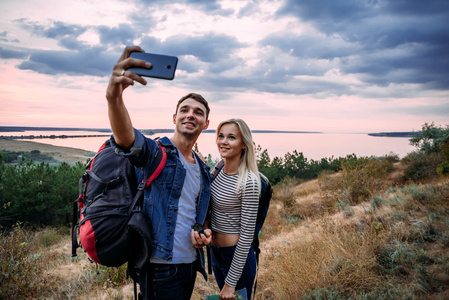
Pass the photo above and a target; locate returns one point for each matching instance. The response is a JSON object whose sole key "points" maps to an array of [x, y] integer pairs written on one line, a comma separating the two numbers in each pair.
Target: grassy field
{"points": [[378, 229], [320, 241]]}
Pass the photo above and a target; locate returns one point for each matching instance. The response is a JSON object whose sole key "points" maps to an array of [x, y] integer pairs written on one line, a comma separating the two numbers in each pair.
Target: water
{"points": [[312, 145]]}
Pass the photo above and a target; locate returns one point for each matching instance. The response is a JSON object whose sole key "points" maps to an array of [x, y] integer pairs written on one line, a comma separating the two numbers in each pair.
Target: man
{"points": [[179, 197]]}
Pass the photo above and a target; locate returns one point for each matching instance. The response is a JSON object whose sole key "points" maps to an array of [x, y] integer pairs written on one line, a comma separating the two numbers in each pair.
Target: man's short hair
{"points": [[196, 97]]}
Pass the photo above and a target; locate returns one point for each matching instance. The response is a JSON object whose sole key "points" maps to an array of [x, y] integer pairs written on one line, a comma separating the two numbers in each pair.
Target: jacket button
{"points": [[179, 187], [170, 258], [175, 209], [171, 232]]}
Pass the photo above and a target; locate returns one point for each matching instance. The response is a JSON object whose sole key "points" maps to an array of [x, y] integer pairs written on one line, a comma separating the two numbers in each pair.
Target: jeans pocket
{"points": [[161, 273]]}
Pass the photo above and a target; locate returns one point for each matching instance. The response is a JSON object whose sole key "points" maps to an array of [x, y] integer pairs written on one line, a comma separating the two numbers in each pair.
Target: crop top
{"points": [[235, 213]]}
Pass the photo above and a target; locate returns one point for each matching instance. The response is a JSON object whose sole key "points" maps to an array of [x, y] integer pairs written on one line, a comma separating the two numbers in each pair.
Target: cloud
{"points": [[386, 36], [95, 61], [12, 53], [56, 30], [208, 48], [310, 46], [123, 34], [210, 6], [380, 43]]}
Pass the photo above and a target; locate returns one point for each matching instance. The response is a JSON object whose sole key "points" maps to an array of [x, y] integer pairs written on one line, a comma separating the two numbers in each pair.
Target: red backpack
{"points": [[108, 215]]}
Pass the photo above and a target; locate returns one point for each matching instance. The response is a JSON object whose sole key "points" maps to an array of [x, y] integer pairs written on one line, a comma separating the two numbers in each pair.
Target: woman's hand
{"points": [[227, 292]]}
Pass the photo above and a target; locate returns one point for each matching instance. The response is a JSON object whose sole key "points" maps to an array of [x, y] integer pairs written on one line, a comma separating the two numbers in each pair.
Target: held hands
{"points": [[120, 78], [201, 240]]}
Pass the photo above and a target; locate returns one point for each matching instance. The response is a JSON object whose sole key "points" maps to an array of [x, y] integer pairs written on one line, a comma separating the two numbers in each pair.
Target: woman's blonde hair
{"points": [[248, 161]]}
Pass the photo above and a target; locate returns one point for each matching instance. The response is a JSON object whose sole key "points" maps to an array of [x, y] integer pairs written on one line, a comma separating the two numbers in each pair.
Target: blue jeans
{"points": [[221, 258], [168, 281]]}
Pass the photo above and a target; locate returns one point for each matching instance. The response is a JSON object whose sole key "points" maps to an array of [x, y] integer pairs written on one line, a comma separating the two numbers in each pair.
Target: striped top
{"points": [[235, 213]]}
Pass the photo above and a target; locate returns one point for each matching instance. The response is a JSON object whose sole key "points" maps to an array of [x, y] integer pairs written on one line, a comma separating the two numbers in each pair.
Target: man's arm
{"points": [[119, 118]]}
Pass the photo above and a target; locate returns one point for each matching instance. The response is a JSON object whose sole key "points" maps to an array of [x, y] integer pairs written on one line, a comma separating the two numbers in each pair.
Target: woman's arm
{"points": [[250, 203]]}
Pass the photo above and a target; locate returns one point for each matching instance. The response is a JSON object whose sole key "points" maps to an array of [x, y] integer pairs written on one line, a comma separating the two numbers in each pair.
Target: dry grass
{"points": [[325, 255], [394, 245]]}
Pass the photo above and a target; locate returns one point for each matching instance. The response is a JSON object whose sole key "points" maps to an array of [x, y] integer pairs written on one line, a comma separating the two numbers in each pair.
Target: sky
{"points": [[338, 66]]}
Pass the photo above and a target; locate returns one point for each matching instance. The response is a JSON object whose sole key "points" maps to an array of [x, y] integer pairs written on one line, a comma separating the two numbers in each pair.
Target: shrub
{"points": [[376, 202], [358, 180], [420, 166], [111, 277], [285, 191], [443, 168], [18, 268], [432, 141]]}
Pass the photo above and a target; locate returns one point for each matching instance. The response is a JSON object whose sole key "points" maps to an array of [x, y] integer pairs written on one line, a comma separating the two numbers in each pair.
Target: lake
{"points": [[312, 145]]}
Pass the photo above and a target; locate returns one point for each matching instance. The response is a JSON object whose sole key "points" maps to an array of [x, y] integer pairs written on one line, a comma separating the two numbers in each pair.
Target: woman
{"points": [[234, 202]]}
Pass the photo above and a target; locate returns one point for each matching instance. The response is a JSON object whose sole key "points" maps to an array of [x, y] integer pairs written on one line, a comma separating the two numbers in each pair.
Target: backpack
{"points": [[108, 214]]}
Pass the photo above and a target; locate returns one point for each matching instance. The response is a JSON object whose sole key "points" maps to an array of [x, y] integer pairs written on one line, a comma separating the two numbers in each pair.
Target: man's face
{"points": [[190, 119]]}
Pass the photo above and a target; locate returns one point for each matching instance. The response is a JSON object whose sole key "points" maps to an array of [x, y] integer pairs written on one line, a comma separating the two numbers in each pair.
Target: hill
{"points": [[378, 228], [318, 242], [59, 154]]}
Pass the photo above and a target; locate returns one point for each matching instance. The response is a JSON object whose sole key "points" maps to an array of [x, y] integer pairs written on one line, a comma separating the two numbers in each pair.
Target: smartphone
{"points": [[164, 66]]}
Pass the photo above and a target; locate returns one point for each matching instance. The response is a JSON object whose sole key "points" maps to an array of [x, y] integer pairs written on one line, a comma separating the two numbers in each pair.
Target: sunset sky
{"points": [[329, 66]]}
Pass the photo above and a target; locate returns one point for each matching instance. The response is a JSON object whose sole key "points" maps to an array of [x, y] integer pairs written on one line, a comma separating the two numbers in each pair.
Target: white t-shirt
{"points": [[183, 250]]}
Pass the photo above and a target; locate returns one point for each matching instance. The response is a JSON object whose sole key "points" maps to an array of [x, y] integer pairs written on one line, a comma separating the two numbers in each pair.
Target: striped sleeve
{"points": [[248, 215]]}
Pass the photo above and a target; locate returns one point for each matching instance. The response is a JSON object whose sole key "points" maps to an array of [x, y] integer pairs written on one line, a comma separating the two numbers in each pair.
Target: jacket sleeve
{"points": [[141, 153]]}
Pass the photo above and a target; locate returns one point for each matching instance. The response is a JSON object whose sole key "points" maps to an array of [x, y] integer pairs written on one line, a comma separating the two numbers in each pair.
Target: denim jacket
{"points": [[162, 197]]}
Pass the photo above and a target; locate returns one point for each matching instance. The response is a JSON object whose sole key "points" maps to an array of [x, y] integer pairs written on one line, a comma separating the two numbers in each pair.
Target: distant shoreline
{"points": [[64, 136], [5, 129], [395, 134]]}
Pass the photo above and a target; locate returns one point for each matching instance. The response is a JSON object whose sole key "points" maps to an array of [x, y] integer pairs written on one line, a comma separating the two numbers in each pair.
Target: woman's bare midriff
{"points": [[224, 240]]}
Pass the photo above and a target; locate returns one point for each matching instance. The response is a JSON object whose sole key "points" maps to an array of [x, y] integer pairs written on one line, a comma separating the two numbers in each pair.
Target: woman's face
{"points": [[229, 141]]}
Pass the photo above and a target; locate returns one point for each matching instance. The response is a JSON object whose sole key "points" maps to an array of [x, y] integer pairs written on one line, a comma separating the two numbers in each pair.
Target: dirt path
{"points": [[63, 154]]}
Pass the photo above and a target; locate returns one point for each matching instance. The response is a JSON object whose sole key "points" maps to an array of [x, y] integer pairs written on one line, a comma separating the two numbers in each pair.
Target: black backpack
{"points": [[107, 216]]}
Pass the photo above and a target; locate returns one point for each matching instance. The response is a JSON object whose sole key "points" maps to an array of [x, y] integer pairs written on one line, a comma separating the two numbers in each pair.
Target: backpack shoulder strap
{"points": [[218, 168], [155, 169], [157, 165], [164, 141]]}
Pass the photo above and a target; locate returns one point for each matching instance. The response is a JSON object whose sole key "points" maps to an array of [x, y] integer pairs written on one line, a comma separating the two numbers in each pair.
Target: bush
{"points": [[17, 266], [286, 191], [420, 166], [358, 180], [433, 145], [431, 139], [295, 165], [443, 168]]}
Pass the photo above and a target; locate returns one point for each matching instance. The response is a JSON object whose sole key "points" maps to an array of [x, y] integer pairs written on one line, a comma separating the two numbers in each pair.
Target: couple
{"points": [[179, 197]]}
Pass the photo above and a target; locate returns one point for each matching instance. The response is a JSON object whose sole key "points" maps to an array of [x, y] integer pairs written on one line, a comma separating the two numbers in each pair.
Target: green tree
{"points": [[431, 139], [433, 142], [38, 194]]}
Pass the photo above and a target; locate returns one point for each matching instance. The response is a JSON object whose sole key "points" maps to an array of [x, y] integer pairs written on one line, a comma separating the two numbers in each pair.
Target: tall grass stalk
{"points": [[332, 255]]}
